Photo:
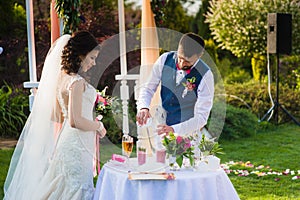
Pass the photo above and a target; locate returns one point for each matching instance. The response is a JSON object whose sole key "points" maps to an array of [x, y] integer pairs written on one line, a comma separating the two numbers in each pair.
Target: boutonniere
{"points": [[189, 85]]}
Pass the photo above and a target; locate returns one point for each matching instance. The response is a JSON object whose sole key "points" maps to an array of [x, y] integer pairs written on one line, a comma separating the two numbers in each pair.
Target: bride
{"points": [[54, 155]]}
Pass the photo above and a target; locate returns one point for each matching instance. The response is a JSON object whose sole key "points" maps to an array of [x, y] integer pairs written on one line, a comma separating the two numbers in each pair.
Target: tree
{"points": [[68, 10], [241, 26], [198, 24], [13, 39], [108, 4], [13, 19], [171, 14]]}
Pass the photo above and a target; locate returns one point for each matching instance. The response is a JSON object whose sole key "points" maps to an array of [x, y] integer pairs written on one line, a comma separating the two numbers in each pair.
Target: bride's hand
{"points": [[99, 118]]}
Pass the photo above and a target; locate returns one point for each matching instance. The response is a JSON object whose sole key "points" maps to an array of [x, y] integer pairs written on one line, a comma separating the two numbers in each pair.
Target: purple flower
{"points": [[187, 144]]}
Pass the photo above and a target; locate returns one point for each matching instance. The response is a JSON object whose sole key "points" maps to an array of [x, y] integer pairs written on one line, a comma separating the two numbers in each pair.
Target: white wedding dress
{"points": [[47, 166], [70, 172]]}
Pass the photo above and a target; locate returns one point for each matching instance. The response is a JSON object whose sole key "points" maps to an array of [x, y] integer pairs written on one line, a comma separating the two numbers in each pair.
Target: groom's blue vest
{"points": [[179, 108]]}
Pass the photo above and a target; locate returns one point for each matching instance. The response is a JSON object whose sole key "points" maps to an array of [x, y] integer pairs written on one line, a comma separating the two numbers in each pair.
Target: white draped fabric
{"points": [[113, 184], [37, 141]]}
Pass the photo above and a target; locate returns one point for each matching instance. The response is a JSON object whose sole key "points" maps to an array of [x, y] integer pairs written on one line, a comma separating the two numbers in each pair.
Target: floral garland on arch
{"points": [[68, 10], [158, 9]]}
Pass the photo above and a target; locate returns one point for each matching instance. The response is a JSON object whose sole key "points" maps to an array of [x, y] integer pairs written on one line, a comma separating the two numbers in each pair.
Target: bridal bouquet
{"points": [[104, 102], [178, 147]]}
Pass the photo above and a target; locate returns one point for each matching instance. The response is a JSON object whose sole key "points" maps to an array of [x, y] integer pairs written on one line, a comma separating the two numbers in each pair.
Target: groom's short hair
{"points": [[192, 44]]}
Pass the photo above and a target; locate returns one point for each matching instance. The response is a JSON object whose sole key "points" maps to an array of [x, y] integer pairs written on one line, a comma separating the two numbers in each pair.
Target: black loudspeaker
{"points": [[279, 33]]}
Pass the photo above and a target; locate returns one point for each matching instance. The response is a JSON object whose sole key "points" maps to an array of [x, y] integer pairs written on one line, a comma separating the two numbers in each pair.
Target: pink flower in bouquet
{"points": [[103, 102], [101, 99], [179, 139], [178, 146], [187, 143]]}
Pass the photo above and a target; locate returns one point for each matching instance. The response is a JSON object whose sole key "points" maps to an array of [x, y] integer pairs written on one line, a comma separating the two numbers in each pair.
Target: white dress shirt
{"points": [[205, 92]]}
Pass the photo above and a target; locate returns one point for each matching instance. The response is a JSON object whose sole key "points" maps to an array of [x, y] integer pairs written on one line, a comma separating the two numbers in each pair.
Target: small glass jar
{"points": [[141, 153], [173, 166]]}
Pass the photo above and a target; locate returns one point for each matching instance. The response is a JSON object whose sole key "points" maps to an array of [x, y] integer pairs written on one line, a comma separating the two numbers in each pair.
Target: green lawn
{"points": [[4, 163], [277, 149]]}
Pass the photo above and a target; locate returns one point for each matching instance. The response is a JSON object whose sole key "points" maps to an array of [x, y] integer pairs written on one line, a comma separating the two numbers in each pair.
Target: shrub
{"points": [[254, 95], [14, 108], [224, 67], [238, 75], [13, 38], [297, 72], [239, 123], [211, 49], [290, 71], [13, 19], [113, 121], [114, 133], [258, 63], [234, 70]]}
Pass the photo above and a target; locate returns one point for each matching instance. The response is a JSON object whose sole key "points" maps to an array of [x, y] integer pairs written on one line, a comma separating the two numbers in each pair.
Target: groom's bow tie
{"points": [[186, 71]]}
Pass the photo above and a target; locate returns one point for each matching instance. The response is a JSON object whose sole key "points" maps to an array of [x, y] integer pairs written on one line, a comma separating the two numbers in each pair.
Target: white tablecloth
{"points": [[113, 184]]}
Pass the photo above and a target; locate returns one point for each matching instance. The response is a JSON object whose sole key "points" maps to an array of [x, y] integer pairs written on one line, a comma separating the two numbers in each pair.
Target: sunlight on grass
{"points": [[278, 148]]}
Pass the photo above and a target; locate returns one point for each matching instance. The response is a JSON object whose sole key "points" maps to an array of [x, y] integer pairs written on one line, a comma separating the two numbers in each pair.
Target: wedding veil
{"points": [[37, 140]]}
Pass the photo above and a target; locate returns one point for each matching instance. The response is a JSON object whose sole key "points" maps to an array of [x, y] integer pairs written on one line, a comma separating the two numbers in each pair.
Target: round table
{"points": [[113, 183]]}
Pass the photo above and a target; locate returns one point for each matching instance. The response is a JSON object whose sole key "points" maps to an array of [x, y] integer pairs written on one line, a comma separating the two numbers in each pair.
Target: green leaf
{"points": [[179, 160]]}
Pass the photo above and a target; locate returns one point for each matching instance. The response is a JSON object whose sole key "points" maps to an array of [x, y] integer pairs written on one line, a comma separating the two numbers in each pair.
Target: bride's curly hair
{"points": [[79, 45]]}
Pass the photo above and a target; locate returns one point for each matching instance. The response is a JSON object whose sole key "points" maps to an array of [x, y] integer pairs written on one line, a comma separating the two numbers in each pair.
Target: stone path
{"points": [[7, 143]]}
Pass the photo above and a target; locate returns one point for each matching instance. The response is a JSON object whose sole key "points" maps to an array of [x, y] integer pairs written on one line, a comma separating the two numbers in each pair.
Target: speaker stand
{"points": [[277, 105]]}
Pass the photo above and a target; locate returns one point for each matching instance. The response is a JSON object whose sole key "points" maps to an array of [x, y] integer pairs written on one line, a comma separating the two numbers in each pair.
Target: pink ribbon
{"points": [[97, 155]]}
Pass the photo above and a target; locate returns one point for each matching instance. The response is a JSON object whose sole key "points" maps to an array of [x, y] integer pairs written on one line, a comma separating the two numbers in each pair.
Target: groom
{"points": [[187, 88]]}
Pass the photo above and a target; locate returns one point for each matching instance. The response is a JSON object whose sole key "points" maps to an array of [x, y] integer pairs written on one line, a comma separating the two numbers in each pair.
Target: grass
{"points": [[5, 156], [278, 148]]}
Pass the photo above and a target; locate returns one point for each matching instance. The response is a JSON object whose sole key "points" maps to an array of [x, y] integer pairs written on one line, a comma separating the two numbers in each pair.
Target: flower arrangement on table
{"points": [[178, 147], [209, 146]]}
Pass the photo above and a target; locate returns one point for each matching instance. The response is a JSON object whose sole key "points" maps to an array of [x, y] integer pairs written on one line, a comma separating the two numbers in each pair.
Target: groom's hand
{"points": [[164, 129], [142, 116]]}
